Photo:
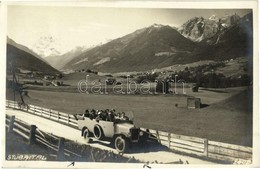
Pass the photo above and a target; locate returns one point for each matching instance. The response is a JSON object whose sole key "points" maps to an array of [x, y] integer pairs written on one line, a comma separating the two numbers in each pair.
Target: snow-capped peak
{"points": [[157, 25], [46, 46]]}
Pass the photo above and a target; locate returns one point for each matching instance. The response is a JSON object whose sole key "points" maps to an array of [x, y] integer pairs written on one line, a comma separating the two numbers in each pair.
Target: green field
{"points": [[227, 118]]}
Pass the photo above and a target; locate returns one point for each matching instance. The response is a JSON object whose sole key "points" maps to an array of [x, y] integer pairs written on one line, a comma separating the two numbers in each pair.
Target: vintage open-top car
{"points": [[120, 130]]}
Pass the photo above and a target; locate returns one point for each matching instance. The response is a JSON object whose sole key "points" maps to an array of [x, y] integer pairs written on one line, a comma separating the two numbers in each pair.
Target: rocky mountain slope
{"points": [[200, 29], [144, 49], [233, 42], [158, 46], [24, 48]]}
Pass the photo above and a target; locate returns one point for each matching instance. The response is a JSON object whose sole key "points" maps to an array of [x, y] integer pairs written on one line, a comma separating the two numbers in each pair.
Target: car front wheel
{"points": [[121, 144]]}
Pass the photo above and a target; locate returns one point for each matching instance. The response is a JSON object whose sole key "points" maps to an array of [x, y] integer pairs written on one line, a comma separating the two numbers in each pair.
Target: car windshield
{"points": [[130, 115]]}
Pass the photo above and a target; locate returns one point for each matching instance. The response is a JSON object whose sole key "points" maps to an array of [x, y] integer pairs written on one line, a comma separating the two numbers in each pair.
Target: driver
{"points": [[123, 116]]}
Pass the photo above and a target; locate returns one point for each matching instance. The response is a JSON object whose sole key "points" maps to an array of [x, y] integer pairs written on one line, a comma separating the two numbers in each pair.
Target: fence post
{"points": [[158, 136], [60, 154], [169, 139], [34, 109], [58, 116], [205, 147], [68, 119], [11, 124], [32, 134]]}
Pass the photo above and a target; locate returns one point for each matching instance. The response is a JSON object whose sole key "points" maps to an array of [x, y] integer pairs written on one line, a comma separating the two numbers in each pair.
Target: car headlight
{"points": [[141, 133]]}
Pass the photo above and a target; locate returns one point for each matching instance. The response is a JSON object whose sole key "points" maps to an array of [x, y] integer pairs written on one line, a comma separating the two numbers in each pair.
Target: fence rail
{"points": [[180, 143], [57, 144], [46, 113], [202, 147], [34, 135]]}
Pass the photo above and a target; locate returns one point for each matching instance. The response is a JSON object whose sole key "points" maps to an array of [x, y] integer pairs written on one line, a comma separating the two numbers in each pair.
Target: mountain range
{"points": [[24, 48], [143, 49], [59, 61], [230, 43], [200, 29], [46, 46], [22, 57], [160, 46]]}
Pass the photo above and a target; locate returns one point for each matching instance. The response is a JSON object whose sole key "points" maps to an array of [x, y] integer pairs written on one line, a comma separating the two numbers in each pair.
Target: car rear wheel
{"points": [[98, 132], [121, 144]]}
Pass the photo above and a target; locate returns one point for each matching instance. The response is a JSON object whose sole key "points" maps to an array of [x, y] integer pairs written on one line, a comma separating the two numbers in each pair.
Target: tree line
{"points": [[202, 76]]}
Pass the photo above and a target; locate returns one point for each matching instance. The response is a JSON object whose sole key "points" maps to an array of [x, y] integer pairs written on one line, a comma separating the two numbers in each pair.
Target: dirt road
{"points": [[60, 130]]}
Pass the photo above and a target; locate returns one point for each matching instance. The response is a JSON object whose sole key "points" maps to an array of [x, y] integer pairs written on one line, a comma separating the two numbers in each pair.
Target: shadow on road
{"points": [[146, 146]]}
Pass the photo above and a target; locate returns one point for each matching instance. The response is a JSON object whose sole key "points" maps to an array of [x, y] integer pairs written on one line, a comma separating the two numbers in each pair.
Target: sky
{"points": [[68, 27]]}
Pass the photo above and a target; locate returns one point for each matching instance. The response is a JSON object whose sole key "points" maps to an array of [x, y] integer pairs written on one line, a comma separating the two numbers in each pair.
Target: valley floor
{"points": [[226, 117]]}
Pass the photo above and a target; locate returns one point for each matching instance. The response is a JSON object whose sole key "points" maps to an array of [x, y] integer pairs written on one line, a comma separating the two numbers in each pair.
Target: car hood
{"points": [[124, 128], [125, 125]]}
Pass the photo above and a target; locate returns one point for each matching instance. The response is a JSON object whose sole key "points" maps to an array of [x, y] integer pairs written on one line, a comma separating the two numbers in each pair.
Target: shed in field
{"points": [[193, 103]]}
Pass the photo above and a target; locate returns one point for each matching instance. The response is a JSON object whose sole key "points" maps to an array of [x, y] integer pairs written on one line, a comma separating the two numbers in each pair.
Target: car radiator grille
{"points": [[134, 134]]}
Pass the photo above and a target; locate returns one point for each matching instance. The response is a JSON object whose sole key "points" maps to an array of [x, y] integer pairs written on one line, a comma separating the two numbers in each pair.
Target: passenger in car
{"points": [[86, 113], [118, 115], [92, 114], [105, 115], [123, 116], [98, 116], [111, 116]]}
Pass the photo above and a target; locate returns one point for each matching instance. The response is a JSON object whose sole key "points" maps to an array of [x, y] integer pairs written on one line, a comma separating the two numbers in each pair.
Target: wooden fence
{"points": [[185, 144], [64, 118], [202, 147], [64, 149], [34, 135]]}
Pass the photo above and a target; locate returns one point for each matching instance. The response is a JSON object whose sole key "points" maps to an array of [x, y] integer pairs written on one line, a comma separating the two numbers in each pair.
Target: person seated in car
{"points": [[96, 113], [118, 115], [99, 115], [105, 115], [111, 116], [113, 111], [123, 116], [92, 114], [87, 114]]}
